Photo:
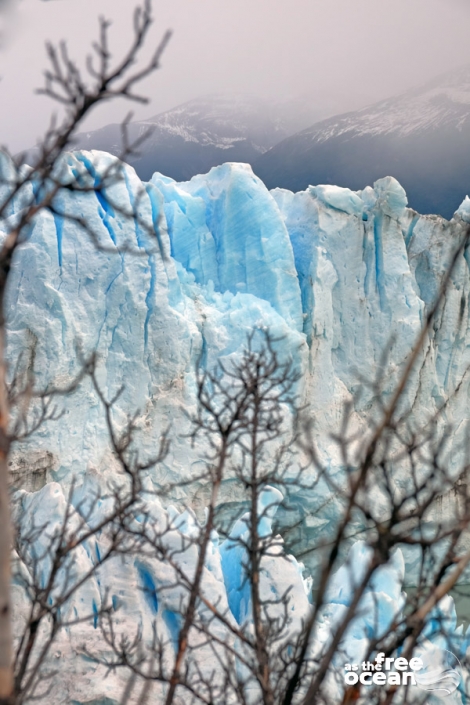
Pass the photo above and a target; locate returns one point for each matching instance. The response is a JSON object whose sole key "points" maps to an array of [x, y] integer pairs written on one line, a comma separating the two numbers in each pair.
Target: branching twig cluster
{"points": [[27, 192]]}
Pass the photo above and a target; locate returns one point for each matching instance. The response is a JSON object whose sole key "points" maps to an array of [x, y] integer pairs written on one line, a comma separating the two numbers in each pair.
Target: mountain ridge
{"points": [[421, 137], [204, 132]]}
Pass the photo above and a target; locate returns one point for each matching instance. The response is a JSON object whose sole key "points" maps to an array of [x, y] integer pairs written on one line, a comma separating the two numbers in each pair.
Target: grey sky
{"points": [[347, 51]]}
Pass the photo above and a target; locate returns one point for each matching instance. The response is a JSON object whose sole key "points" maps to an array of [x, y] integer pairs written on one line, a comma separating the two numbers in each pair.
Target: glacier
{"points": [[338, 276]]}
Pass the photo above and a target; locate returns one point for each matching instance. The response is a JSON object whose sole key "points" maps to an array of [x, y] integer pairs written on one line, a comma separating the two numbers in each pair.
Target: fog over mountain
{"points": [[208, 131], [421, 137], [343, 55]]}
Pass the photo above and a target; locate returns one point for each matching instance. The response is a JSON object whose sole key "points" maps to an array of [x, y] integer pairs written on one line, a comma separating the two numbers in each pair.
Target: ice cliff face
{"points": [[144, 596], [342, 276], [339, 276]]}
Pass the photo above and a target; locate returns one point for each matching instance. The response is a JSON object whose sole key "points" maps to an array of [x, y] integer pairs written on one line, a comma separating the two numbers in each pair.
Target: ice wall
{"points": [[339, 276]]}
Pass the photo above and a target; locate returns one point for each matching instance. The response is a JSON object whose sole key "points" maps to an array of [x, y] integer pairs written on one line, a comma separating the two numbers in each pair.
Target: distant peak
{"points": [[444, 101]]}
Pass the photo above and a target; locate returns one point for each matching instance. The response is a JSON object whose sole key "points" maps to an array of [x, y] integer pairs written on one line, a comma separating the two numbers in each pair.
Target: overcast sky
{"points": [[347, 51]]}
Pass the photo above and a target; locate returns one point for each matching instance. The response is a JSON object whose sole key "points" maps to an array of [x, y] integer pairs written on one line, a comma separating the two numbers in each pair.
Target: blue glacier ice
{"points": [[144, 595], [338, 276]]}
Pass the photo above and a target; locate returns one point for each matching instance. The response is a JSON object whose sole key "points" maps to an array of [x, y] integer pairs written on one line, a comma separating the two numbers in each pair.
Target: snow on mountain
{"points": [[421, 137], [442, 103], [221, 120], [205, 132], [216, 120]]}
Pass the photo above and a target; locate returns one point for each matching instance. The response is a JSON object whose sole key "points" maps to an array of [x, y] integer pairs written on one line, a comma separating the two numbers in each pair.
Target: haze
{"points": [[341, 54]]}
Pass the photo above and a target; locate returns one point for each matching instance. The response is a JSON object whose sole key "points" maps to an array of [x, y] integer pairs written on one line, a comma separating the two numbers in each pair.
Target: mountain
{"points": [[211, 130], [421, 137], [207, 132]]}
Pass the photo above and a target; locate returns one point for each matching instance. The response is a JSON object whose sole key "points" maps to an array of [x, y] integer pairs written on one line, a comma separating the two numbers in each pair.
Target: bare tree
{"points": [[240, 414], [48, 555], [246, 643], [64, 84], [262, 654]]}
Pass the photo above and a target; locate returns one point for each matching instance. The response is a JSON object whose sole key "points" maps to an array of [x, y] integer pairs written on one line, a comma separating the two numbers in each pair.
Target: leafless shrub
{"points": [[43, 188]]}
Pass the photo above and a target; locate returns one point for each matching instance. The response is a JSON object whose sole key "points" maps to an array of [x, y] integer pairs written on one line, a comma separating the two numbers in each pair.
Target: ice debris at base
{"points": [[144, 595], [338, 276]]}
